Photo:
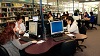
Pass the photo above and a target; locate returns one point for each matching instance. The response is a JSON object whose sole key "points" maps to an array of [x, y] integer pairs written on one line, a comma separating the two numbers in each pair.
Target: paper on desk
{"points": [[26, 34], [41, 41], [70, 34]]}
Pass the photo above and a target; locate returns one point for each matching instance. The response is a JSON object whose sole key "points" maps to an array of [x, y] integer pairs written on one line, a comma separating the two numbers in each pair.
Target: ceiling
{"points": [[49, 1]]}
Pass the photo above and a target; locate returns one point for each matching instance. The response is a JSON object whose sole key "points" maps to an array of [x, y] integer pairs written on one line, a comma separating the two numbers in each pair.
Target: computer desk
{"points": [[45, 46]]}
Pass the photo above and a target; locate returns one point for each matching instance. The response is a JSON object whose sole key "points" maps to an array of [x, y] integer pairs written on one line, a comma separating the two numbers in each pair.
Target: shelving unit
{"points": [[9, 10]]}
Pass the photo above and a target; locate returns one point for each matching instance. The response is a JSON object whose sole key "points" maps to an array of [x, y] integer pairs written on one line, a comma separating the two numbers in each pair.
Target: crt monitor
{"points": [[56, 27], [35, 18], [76, 17], [33, 28], [26, 19]]}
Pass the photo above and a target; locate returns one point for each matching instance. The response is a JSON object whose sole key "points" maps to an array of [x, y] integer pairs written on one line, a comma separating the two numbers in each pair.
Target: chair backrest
{"points": [[68, 48], [3, 51], [82, 29]]}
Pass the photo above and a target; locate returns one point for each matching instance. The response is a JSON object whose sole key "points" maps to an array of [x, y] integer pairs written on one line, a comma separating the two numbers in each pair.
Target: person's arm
{"points": [[19, 45], [72, 28]]}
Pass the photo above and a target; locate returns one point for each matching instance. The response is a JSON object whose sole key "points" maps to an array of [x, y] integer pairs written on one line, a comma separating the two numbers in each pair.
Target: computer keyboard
{"points": [[65, 37], [26, 39]]}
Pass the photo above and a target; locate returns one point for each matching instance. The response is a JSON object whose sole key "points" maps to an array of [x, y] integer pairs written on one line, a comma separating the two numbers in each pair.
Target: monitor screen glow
{"points": [[26, 19], [56, 27], [35, 18], [33, 28], [76, 17]]}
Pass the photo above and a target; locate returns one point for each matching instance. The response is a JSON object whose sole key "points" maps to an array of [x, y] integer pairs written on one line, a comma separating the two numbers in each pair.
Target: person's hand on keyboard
{"points": [[34, 41], [67, 32]]}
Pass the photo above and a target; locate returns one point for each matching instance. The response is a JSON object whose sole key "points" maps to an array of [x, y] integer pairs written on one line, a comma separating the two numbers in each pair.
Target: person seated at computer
{"points": [[72, 26], [20, 25], [86, 20], [50, 17], [64, 21], [64, 14], [81, 15], [67, 14], [92, 18], [10, 41], [86, 15]]}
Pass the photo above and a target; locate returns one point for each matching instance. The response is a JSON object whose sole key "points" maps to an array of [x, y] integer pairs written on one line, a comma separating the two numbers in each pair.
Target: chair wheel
{"points": [[81, 50], [85, 46]]}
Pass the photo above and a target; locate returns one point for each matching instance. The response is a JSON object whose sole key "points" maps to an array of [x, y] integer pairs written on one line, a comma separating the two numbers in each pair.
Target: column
{"points": [[83, 10], [33, 7], [58, 6], [42, 19], [73, 6], [98, 20]]}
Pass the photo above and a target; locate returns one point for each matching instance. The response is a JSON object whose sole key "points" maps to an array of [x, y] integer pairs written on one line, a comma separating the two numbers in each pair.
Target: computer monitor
{"points": [[70, 14], [55, 14], [33, 28], [26, 19], [56, 27], [58, 16], [35, 18], [76, 17]]}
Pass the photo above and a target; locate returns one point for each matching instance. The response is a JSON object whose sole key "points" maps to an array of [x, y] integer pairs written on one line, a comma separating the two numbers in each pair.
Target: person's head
{"points": [[91, 13], [70, 20], [19, 20], [80, 13], [85, 13], [49, 14], [64, 17], [8, 33], [63, 13], [66, 12]]}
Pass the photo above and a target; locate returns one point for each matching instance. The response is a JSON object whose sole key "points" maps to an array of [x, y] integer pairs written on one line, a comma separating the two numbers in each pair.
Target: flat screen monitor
{"points": [[33, 28], [35, 18], [56, 27]]}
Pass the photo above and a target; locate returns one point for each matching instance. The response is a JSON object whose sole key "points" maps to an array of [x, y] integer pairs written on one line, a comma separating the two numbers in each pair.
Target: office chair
{"points": [[68, 48], [3, 51], [93, 21], [82, 30], [92, 27]]}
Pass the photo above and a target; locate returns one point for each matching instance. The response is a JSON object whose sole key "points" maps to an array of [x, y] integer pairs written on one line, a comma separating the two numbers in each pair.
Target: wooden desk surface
{"points": [[44, 47], [80, 36], [41, 48]]}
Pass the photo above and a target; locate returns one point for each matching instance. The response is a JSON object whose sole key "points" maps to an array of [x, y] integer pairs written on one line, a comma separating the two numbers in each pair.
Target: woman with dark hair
{"points": [[20, 25], [10, 41], [72, 26]]}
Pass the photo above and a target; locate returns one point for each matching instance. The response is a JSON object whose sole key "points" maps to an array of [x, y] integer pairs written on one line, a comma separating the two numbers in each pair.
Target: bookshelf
{"points": [[9, 10]]}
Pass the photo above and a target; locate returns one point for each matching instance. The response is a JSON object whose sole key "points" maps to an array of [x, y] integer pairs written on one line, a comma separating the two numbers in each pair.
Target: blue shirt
{"points": [[92, 18]]}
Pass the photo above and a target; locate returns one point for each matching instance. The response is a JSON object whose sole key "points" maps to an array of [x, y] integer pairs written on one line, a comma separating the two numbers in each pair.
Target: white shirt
{"points": [[73, 28], [22, 27]]}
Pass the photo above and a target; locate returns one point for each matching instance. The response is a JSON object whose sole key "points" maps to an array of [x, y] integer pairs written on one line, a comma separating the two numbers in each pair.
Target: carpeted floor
{"points": [[92, 43]]}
